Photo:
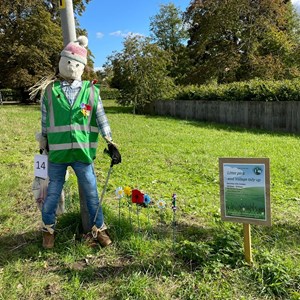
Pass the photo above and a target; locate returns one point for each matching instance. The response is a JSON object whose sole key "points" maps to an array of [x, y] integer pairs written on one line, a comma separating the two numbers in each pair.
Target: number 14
{"points": [[41, 165]]}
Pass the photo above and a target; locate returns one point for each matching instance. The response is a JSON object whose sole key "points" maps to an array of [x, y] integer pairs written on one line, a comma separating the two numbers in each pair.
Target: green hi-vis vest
{"points": [[72, 131]]}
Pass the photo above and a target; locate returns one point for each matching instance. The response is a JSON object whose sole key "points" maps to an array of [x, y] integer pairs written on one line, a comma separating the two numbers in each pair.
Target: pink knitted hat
{"points": [[76, 50]]}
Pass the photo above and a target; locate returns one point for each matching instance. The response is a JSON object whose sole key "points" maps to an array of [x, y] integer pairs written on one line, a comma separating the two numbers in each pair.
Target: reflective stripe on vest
{"points": [[72, 127], [50, 105], [53, 128], [72, 146], [72, 133]]}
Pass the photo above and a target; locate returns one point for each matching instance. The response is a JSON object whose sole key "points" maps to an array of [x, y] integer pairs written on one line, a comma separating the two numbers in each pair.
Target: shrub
{"points": [[10, 95], [254, 90], [109, 93]]}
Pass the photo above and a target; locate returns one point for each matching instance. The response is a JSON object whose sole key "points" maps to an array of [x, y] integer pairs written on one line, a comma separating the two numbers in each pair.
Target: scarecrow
{"points": [[72, 118]]}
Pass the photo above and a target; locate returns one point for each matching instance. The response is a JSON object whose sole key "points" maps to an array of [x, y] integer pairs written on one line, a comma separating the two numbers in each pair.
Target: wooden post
{"points": [[247, 243], [69, 35]]}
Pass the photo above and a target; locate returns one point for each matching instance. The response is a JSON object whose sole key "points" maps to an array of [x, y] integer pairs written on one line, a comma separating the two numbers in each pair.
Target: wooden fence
{"points": [[274, 116]]}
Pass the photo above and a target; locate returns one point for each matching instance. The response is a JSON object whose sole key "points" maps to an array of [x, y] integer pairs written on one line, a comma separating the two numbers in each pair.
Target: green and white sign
{"points": [[245, 190]]}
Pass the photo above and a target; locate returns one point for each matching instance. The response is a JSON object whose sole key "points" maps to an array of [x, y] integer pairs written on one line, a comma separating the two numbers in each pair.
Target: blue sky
{"points": [[109, 21]]}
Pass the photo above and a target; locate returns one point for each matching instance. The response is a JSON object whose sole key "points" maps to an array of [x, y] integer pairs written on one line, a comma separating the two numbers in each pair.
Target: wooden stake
{"points": [[247, 243]]}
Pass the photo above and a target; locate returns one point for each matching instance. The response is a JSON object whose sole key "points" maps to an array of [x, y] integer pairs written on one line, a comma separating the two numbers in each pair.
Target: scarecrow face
{"points": [[70, 68]]}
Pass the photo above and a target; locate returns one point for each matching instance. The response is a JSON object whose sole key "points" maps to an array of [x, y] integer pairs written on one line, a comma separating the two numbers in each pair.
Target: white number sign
{"points": [[41, 166]]}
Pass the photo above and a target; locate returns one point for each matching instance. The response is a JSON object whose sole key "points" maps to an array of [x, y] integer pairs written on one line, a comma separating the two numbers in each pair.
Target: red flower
{"points": [[88, 107], [137, 197], [94, 81]]}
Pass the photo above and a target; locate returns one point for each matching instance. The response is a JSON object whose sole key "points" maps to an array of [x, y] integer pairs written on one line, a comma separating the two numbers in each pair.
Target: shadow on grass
{"points": [[28, 245], [15, 247], [3, 218], [164, 261], [69, 233], [224, 127], [125, 269], [118, 109], [283, 233], [129, 240]]}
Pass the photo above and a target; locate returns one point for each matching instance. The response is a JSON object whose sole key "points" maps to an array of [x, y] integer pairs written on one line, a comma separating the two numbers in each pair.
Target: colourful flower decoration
{"points": [[85, 109], [127, 191], [119, 192], [137, 197], [161, 204], [147, 200]]}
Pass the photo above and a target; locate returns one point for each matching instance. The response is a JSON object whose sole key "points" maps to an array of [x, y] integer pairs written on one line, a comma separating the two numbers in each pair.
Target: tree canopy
{"points": [[232, 40], [30, 40], [237, 40], [169, 32], [213, 40], [141, 72], [167, 27]]}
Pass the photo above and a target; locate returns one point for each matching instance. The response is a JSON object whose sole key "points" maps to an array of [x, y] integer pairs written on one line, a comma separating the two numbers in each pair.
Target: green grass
{"points": [[252, 206], [202, 258]]}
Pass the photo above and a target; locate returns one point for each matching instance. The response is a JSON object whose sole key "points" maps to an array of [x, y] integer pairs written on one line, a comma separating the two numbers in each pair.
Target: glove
{"points": [[43, 142], [114, 154]]}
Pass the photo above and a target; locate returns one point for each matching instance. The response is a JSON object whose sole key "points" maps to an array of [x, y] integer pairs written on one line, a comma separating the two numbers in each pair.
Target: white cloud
{"points": [[99, 35], [98, 69], [120, 33]]}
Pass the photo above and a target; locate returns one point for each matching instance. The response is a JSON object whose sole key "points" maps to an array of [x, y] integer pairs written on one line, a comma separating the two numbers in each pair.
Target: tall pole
{"points": [[67, 21], [69, 35]]}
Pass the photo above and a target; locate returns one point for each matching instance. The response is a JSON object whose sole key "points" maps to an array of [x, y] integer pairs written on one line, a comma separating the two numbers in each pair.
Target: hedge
{"points": [[10, 95], [254, 90], [109, 94]]}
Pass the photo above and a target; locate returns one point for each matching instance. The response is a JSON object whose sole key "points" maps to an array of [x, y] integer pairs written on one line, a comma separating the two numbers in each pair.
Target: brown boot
{"points": [[101, 235], [48, 240], [103, 238]]}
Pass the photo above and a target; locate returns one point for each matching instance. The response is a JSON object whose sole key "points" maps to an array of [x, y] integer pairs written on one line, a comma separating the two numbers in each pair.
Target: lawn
{"points": [[196, 257]]}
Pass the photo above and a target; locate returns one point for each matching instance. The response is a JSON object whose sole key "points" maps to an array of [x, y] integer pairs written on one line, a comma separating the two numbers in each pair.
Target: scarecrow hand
{"points": [[114, 154], [43, 142]]}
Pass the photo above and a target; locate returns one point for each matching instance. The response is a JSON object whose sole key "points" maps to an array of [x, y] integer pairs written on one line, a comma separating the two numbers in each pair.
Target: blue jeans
{"points": [[87, 181]]}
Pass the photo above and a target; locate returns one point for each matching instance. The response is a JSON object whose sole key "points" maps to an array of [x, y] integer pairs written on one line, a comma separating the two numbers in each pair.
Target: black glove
{"points": [[46, 148], [114, 154]]}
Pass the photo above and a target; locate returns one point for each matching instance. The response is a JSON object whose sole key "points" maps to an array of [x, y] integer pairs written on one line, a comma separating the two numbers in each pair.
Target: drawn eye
{"points": [[69, 62], [77, 65]]}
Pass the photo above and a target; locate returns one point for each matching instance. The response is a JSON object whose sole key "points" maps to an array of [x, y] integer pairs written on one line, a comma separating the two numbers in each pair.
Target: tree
{"points": [[105, 75], [140, 72], [30, 40], [167, 28], [237, 40], [169, 32]]}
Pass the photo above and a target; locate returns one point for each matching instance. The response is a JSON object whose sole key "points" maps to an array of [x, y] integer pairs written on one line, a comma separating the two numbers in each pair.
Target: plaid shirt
{"points": [[71, 91]]}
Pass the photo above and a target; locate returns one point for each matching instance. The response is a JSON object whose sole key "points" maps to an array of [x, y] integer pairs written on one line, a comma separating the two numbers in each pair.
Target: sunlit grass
{"points": [[201, 259]]}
